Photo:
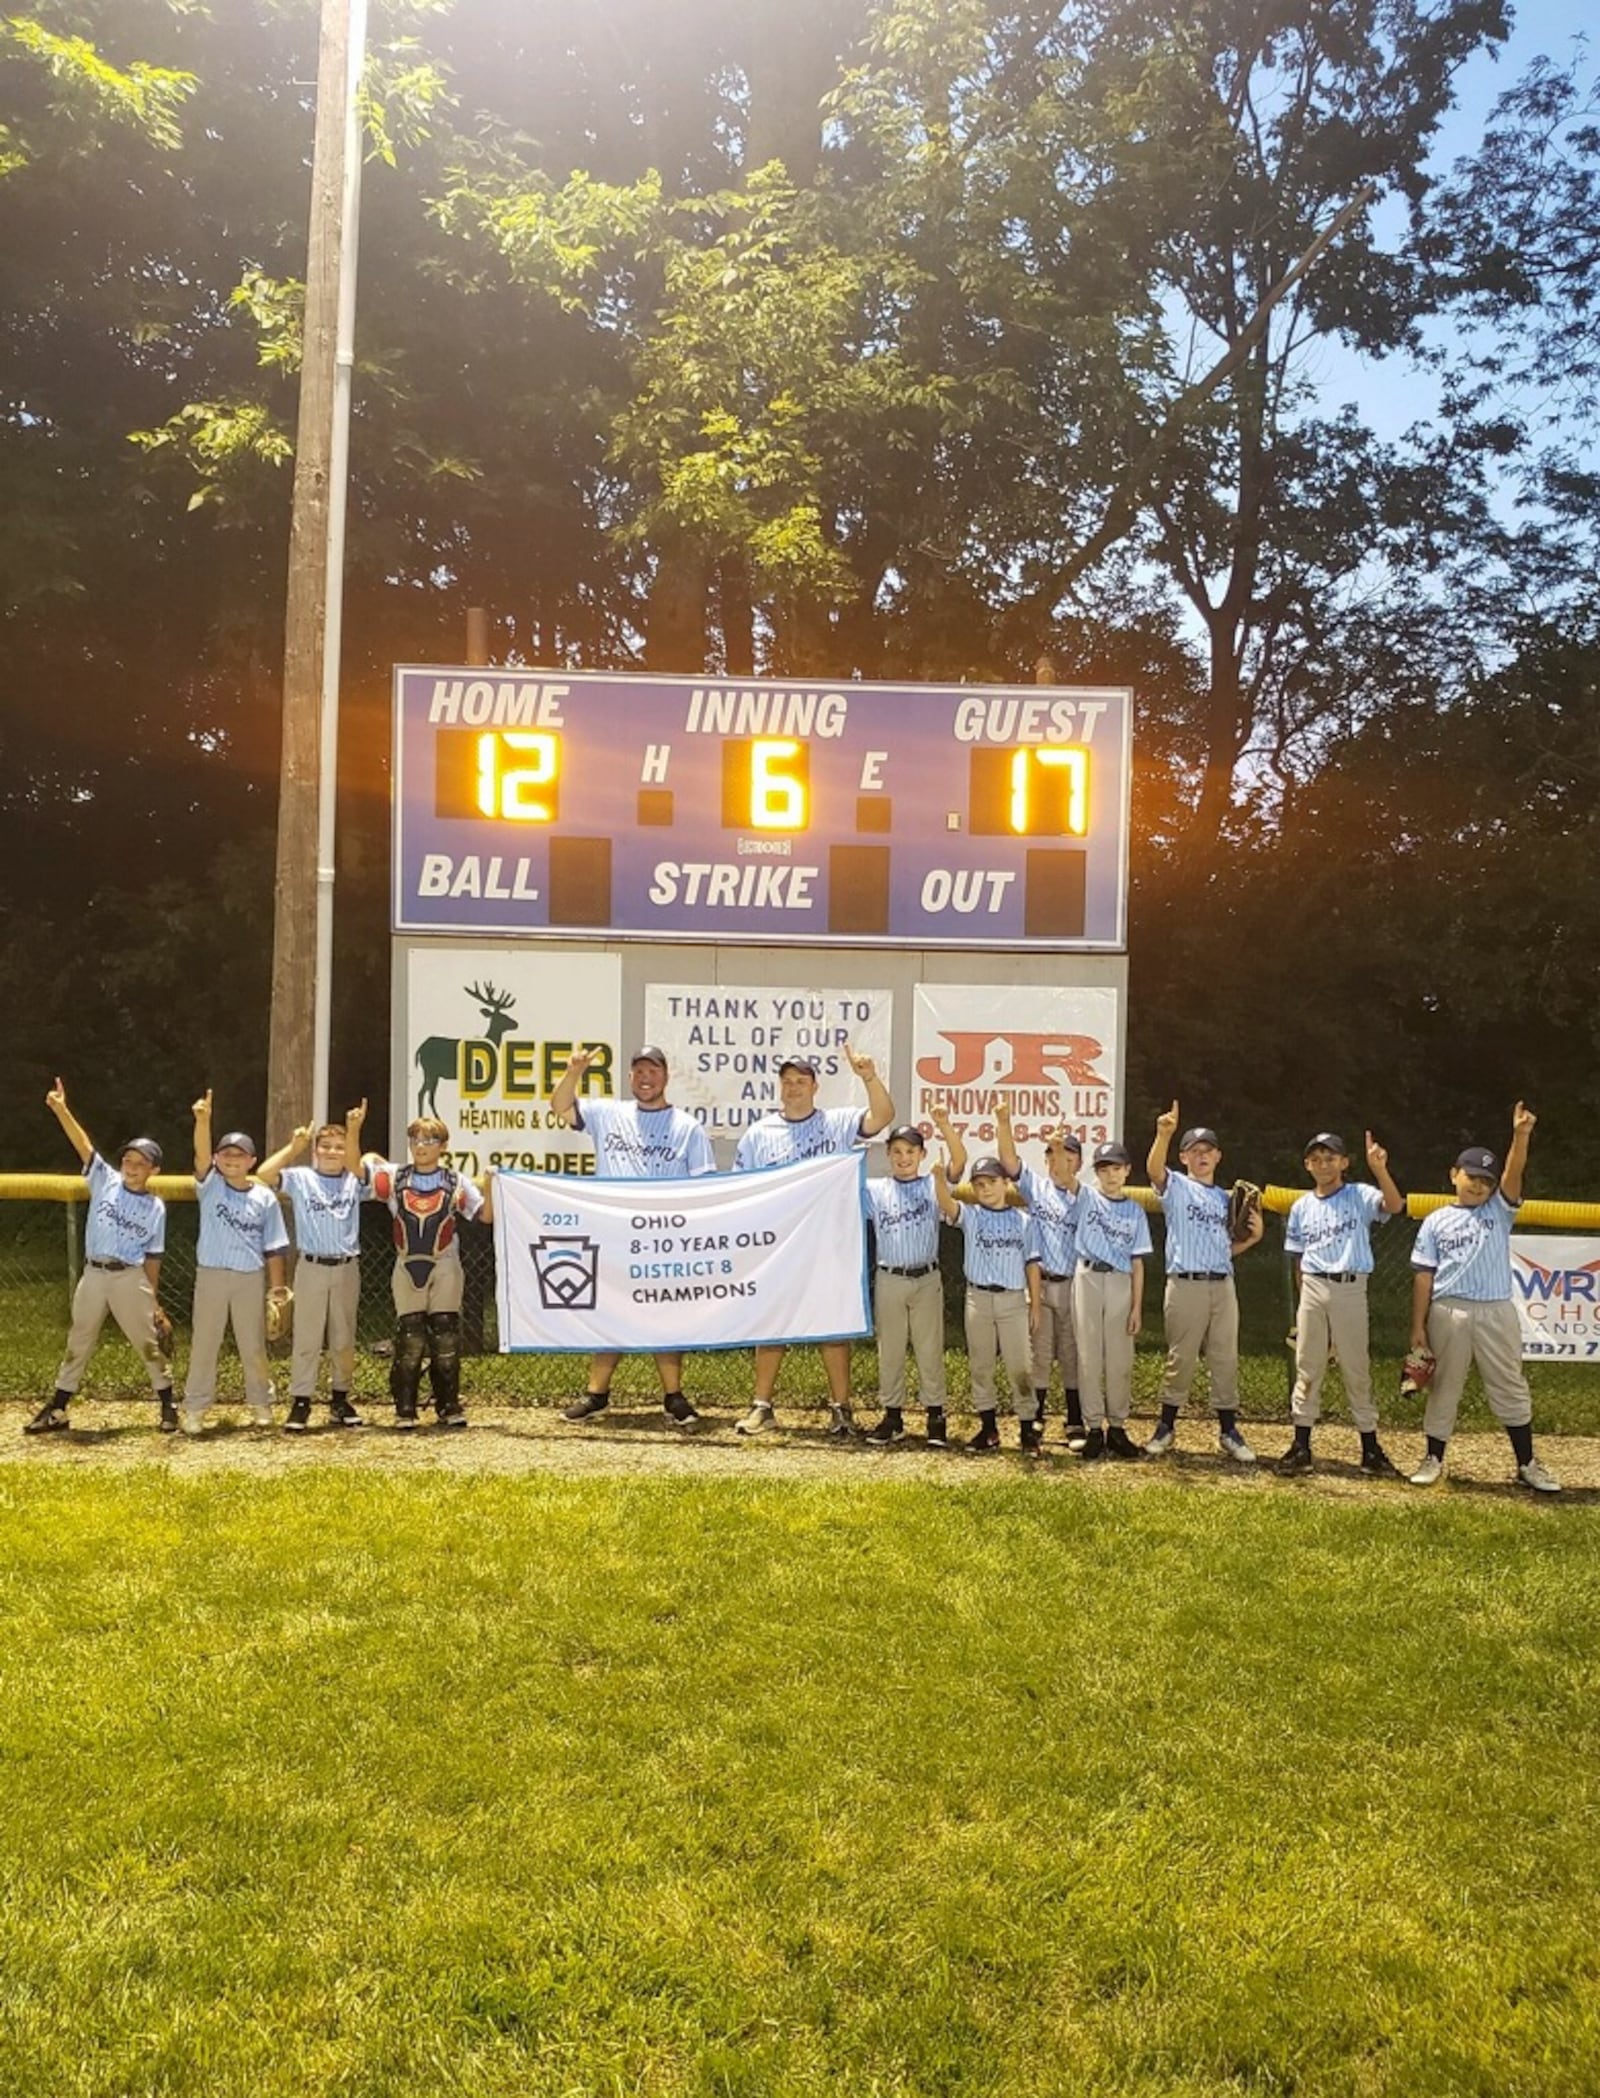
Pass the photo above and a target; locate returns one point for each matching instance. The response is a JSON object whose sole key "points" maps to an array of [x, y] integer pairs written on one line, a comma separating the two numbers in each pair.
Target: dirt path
{"points": [[119, 1436]]}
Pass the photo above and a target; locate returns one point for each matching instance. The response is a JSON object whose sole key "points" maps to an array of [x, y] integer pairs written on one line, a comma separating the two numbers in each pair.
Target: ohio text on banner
{"points": [[1555, 1285], [1051, 1054], [725, 1042], [727, 1261]]}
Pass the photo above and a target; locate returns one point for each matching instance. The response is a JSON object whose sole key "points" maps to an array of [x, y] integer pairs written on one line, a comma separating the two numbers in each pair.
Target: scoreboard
{"points": [[621, 807]]}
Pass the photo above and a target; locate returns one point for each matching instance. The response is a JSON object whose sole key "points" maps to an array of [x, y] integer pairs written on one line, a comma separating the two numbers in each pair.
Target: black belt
{"points": [[330, 1260], [1099, 1267], [996, 1289], [115, 1267], [1195, 1275], [1311, 1275], [1046, 1276], [910, 1274]]}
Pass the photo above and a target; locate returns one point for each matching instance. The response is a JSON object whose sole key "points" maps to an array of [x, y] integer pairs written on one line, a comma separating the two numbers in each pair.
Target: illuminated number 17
{"points": [[1071, 758], [512, 791]]}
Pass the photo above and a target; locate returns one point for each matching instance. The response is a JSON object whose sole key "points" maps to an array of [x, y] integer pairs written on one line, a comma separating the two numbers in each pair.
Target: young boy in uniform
{"points": [[1108, 1302], [908, 1291], [239, 1259], [1201, 1304], [1461, 1305], [325, 1198], [1002, 1304], [426, 1200], [1052, 1198], [123, 1242], [1329, 1237]]}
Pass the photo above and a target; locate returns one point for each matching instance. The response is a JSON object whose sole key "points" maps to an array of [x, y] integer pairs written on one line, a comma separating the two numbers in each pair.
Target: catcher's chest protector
{"points": [[424, 1222]]}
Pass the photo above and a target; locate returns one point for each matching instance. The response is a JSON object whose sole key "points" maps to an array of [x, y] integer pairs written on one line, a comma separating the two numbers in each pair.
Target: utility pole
{"points": [[302, 947]]}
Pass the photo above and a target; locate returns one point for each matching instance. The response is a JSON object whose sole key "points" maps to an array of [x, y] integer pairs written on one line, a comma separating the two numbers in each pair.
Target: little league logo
{"points": [[567, 1271]]}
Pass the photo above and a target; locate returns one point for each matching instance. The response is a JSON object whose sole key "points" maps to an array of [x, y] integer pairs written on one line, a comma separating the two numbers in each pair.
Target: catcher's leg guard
{"points": [[444, 1361], [405, 1371]]}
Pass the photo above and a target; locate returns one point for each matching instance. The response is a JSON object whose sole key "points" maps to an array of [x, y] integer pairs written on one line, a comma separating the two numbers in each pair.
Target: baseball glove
{"points": [[163, 1326], [1416, 1372], [1244, 1206], [280, 1311]]}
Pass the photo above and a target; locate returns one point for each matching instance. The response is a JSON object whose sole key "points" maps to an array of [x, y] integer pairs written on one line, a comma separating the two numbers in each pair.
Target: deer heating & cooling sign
{"points": [[621, 807]]}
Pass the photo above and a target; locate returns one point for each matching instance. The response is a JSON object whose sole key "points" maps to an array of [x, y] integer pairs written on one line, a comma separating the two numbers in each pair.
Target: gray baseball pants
{"points": [[1202, 1319], [1461, 1332], [1055, 1339], [909, 1308], [126, 1294], [441, 1292], [1100, 1308], [1333, 1315], [326, 1301], [221, 1295], [997, 1329]]}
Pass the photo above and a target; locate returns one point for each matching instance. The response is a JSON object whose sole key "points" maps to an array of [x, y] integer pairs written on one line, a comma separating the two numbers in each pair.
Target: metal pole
{"points": [[338, 495]]}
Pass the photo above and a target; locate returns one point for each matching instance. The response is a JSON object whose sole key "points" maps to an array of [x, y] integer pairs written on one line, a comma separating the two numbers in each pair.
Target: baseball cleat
{"points": [[1163, 1442], [679, 1412], [1234, 1445], [841, 1427], [986, 1439], [192, 1423], [299, 1418], [587, 1407], [1120, 1445], [50, 1419], [890, 1429], [168, 1423], [1533, 1475], [342, 1414], [938, 1433], [1429, 1472], [1077, 1436], [1030, 1438], [1094, 1445], [451, 1417], [261, 1416], [758, 1421], [405, 1417], [1378, 1464], [1296, 1459]]}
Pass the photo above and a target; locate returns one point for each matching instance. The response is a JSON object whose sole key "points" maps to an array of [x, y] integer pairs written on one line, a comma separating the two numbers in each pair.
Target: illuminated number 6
{"points": [[777, 801], [511, 791]]}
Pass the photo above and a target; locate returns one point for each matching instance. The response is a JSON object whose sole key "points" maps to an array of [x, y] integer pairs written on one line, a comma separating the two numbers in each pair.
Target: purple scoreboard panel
{"points": [[602, 805]]}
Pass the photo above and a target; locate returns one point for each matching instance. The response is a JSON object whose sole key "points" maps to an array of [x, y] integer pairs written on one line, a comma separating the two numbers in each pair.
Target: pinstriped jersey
{"points": [[121, 1225], [1053, 1215], [1469, 1250], [1332, 1234], [906, 1218], [994, 1245], [1197, 1227], [645, 1143], [776, 1141], [1116, 1232], [239, 1226], [327, 1211]]}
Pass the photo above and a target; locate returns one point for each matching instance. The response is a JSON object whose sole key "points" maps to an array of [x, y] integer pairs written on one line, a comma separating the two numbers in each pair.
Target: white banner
{"points": [[726, 1041], [1555, 1285], [1052, 1054], [729, 1260], [488, 1035]]}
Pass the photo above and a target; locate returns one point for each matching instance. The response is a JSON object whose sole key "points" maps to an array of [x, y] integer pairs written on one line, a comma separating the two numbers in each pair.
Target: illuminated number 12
{"points": [[513, 792]]}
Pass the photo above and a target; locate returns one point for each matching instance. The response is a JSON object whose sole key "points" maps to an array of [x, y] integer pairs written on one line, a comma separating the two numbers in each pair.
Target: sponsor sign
{"points": [[1555, 1285], [1050, 1054], [725, 1261], [724, 1043], [489, 1034]]}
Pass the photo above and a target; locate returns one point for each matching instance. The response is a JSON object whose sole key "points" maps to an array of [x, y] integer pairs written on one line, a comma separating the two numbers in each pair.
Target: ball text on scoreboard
{"points": [[586, 803]]}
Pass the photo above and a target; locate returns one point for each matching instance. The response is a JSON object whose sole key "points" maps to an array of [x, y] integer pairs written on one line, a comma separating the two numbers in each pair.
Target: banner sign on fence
{"points": [[730, 1260], [488, 1035], [724, 1043], [1050, 1054], [1555, 1285]]}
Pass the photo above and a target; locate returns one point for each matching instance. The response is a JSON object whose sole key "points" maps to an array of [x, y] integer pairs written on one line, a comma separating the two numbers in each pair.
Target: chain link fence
{"points": [[41, 1251]]}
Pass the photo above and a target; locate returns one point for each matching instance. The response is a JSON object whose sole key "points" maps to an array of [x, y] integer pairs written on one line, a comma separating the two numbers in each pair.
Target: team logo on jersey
{"points": [[567, 1270]]}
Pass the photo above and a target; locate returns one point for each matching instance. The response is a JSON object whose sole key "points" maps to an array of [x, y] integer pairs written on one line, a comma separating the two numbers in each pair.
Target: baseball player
{"points": [[1002, 1297], [427, 1200], [638, 1139], [1461, 1305], [325, 1199], [1201, 1304], [1329, 1237], [1052, 1198], [123, 1242], [238, 1261], [908, 1290], [1108, 1302], [798, 1130]]}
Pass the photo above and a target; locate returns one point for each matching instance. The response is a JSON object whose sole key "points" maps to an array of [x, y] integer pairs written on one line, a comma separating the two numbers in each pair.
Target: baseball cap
{"points": [[987, 1169], [146, 1146], [1191, 1137], [1325, 1140], [1475, 1159], [907, 1133], [808, 1064], [1064, 1140], [649, 1054], [236, 1140], [1112, 1155]]}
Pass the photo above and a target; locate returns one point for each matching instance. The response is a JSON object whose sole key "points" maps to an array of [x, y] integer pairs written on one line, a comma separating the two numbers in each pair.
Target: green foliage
{"points": [[89, 93]]}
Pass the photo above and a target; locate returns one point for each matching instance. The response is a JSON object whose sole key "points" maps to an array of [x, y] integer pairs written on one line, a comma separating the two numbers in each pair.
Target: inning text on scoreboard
{"points": [[634, 807]]}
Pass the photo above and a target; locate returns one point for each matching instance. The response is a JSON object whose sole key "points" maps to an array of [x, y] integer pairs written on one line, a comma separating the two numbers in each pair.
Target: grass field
{"points": [[382, 1784]]}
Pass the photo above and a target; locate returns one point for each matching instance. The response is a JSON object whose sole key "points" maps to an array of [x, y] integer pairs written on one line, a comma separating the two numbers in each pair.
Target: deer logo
{"points": [[440, 1055]]}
